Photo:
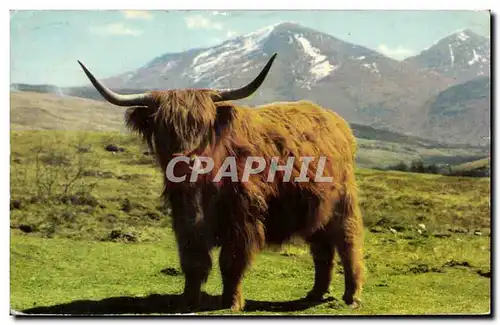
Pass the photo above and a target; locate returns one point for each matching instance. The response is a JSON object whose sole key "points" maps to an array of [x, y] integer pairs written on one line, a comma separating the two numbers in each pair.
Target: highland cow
{"points": [[242, 217]]}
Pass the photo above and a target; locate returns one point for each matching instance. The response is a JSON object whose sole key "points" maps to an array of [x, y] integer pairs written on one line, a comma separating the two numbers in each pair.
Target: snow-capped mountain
{"points": [[463, 55], [315, 56], [359, 83]]}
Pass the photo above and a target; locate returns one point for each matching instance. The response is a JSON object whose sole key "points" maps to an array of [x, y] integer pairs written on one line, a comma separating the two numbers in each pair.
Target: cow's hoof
{"points": [[355, 305], [237, 307], [236, 304], [352, 302]]}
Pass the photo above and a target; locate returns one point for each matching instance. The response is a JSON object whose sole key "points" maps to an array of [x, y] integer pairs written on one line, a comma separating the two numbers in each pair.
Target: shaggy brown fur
{"points": [[241, 217]]}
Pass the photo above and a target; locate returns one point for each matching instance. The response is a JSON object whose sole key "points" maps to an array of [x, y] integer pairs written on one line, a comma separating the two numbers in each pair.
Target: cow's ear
{"points": [[138, 119], [223, 119]]}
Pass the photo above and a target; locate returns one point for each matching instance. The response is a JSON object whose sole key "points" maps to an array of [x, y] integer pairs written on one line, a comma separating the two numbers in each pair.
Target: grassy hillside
{"points": [[89, 234], [477, 168], [377, 148], [473, 165], [37, 111], [376, 153], [120, 191]]}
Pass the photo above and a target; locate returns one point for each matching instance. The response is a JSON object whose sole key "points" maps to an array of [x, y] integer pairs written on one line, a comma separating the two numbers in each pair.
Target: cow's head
{"points": [[179, 120]]}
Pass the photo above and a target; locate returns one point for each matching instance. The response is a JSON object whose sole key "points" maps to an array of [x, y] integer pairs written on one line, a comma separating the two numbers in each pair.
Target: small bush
{"points": [[401, 166], [80, 148], [59, 174], [79, 199], [118, 235], [153, 215], [126, 206], [55, 159], [171, 271], [114, 148], [27, 228], [15, 204]]}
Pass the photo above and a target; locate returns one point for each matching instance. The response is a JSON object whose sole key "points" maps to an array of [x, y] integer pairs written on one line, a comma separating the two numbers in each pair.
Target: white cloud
{"points": [[398, 52], [201, 22], [137, 14], [231, 33], [116, 29], [220, 13]]}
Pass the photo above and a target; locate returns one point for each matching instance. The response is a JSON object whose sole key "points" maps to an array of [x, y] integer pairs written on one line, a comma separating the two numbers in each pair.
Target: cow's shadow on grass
{"points": [[163, 304]]}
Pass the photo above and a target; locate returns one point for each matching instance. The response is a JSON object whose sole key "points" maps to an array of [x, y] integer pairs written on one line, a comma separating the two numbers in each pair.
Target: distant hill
{"points": [[460, 113], [33, 110], [82, 92], [371, 133], [476, 164], [37, 111], [481, 168]]}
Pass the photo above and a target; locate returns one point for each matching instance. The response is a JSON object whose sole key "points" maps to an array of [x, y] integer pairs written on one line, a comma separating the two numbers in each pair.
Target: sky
{"points": [[45, 44]]}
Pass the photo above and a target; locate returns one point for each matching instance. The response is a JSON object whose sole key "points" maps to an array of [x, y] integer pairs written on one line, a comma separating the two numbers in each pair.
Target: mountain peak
{"points": [[263, 32], [463, 36], [462, 55], [465, 32], [288, 24]]}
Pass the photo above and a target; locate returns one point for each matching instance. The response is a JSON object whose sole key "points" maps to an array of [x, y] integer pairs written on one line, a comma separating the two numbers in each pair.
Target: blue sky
{"points": [[46, 44]]}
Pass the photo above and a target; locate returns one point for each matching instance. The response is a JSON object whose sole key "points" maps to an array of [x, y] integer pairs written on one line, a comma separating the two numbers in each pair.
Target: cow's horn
{"points": [[114, 98], [248, 89]]}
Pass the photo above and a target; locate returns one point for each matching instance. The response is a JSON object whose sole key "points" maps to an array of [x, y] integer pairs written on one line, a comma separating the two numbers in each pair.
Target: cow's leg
{"points": [[234, 259], [196, 263], [237, 252], [351, 256], [349, 244], [193, 241], [322, 250]]}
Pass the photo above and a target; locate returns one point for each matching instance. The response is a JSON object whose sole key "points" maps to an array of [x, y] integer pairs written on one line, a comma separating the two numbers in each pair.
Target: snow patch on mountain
{"points": [[203, 55], [476, 58], [462, 36], [320, 66], [452, 57], [372, 67], [214, 83], [168, 66], [254, 39], [229, 51]]}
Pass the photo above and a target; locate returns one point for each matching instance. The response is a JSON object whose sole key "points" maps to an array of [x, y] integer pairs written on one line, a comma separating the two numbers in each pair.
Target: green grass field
{"points": [[89, 235], [404, 276]]}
